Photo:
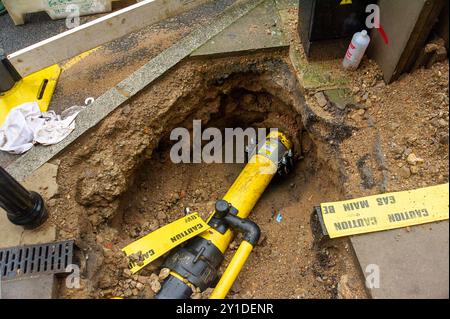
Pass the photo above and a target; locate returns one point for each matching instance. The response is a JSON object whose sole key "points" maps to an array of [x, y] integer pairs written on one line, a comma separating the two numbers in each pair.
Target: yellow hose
{"points": [[232, 271]]}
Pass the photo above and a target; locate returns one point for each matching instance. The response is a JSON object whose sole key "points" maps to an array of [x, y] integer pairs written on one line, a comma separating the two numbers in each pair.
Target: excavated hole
{"points": [[287, 263], [167, 188], [278, 268]]}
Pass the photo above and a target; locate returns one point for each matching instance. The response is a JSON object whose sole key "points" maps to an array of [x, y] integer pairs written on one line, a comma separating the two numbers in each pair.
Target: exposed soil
{"points": [[411, 117], [286, 264], [399, 132], [119, 183]]}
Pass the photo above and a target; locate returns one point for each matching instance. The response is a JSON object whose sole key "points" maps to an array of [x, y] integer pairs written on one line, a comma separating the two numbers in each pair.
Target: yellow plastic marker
{"points": [[164, 239], [75, 60], [386, 211], [37, 87]]}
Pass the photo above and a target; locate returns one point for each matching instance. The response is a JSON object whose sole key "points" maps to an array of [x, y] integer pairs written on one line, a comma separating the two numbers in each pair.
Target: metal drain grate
{"points": [[30, 260]]}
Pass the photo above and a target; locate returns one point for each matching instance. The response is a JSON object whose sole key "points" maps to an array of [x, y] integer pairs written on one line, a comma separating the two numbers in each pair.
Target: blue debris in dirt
{"points": [[279, 218]]}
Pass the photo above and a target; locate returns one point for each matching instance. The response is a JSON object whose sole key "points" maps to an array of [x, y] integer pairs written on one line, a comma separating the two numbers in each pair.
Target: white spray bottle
{"points": [[356, 50]]}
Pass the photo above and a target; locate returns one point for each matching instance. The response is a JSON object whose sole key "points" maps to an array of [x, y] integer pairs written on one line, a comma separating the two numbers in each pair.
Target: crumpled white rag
{"points": [[26, 125]]}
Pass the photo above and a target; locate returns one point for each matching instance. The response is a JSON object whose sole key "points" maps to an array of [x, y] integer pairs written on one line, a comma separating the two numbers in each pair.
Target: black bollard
{"points": [[22, 207]]}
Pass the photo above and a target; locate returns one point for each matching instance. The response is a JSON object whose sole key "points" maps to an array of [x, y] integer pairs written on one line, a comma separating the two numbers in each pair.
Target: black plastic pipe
{"points": [[227, 213], [22, 207], [8, 74], [249, 229]]}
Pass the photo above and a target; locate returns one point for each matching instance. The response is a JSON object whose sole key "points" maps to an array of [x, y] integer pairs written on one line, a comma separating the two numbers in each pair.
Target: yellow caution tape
{"points": [[386, 211], [162, 240]]}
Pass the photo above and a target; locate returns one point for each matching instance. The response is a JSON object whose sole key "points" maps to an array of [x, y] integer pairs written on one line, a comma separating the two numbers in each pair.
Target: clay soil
{"points": [[118, 183]]}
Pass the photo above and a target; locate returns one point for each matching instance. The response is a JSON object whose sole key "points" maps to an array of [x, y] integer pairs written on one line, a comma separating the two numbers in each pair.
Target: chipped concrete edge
{"points": [[116, 96]]}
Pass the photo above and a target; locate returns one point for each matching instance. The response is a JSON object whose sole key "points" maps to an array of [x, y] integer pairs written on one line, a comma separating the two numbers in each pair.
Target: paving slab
{"points": [[12, 235], [412, 264], [36, 287], [43, 181], [259, 29]]}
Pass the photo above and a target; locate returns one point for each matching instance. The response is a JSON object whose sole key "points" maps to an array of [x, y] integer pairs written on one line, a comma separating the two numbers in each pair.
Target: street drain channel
{"points": [[26, 261], [122, 184]]}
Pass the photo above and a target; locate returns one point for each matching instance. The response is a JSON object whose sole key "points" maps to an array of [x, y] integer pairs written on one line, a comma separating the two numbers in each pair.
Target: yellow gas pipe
{"points": [[242, 197], [234, 268]]}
